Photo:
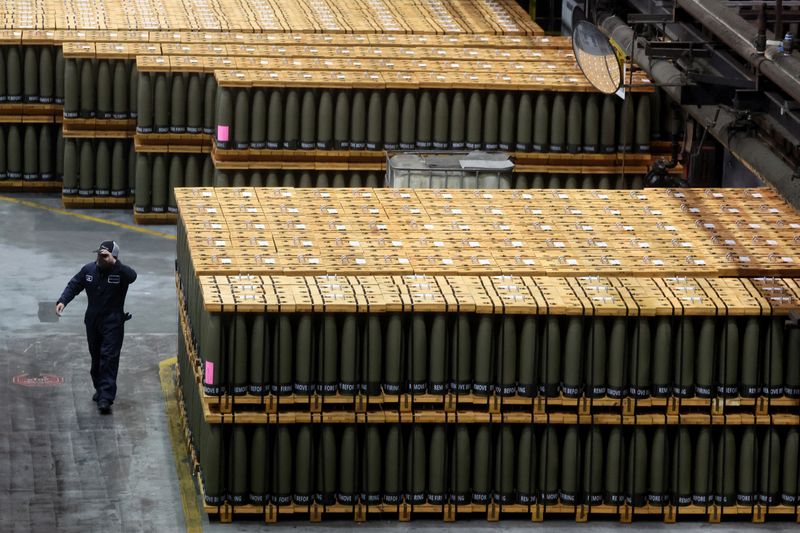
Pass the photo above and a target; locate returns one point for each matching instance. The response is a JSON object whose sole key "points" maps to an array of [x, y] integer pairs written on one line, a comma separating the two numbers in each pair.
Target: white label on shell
{"points": [[313, 261], [670, 228], [292, 210], [216, 226], [225, 261], [787, 259], [644, 245], [354, 244], [615, 262], [484, 262], [744, 259], [211, 210], [699, 262], [360, 261], [428, 226], [563, 196], [587, 228], [708, 226], [207, 194], [558, 244], [397, 243], [474, 244], [730, 242], [572, 262], [306, 243], [497, 212], [455, 211], [627, 228], [447, 261], [340, 227], [694, 210], [252, 210], [527, 196], [528, 262], [601, 244], [517, 244], [219, 243], [332, 211], [402, 260], [264, 243], [438, 244], [299, 226], [658, 262], [686, 244], [755, 226], [772, 243]]}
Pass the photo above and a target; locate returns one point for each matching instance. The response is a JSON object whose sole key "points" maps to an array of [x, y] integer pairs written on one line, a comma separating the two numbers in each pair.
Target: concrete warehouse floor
{"points": [[63, 467]]}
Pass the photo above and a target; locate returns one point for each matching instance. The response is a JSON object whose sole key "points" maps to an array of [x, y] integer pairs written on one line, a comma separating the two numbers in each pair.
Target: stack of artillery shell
{"points": [[31, 152], [157, 175], [31, 73], [99, 167]]}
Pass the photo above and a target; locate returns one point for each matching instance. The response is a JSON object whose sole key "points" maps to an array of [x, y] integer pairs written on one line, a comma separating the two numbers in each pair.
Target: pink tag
{"points": [[209, 373], [222, 133]]}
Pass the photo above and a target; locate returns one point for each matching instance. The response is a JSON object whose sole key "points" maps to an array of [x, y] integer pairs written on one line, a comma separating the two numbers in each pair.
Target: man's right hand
{"points": [[59, 308]]}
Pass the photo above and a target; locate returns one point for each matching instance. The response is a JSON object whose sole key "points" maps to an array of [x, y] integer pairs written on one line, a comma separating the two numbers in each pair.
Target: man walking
{"points": [[106, 283]]}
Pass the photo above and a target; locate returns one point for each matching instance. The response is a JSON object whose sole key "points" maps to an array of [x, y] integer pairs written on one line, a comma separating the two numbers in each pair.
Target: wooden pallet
{"points": [[30, 186], [96, 202], [91, 128], [155, 218], [172, 143]]}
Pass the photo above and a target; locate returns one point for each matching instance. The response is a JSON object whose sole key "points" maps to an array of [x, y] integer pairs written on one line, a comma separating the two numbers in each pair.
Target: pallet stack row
{"points": [[318, 377]]}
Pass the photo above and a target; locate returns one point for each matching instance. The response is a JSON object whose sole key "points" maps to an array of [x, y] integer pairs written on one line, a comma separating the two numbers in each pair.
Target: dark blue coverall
{"points": [[105, 319]]}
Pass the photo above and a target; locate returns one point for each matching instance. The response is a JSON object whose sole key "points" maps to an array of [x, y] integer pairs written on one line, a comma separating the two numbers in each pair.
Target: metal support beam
{"points": [[753, 152]]}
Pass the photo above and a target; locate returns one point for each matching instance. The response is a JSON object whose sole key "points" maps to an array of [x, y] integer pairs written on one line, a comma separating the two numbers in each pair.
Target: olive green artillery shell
{"points": [[30, 69], [662, 358], [86, 174], [541, 124], [210, 348], [461, 465], [394, 467], [144, 119], [56, 58], [238, 466], [461, 358], [591, 124], [208, 172], [748, 462], [133, 96], [507, 126], [505, 465], [524, 128], [225, 117], [327, 462], [260, 463], [209, 105], [659, 467], [102, 168], [549, 465], [291, 127], [642, 137], [527, 381], [408, 121], [88, 96], [769, 485], [46, 75], [437, 355], [417, 466], [702, 489], [596, 357], [13, 75], [484, 357], [161, 101], [282, 349], [681, 478], [474, 121], [357, 139], [393, 377], [527, 461], [558, 124], [327, 373], [256, 179], [305, 180], [571, 182], [640, 359], [46, 167], [570, 466], [725, 479], [593, 461], [789, 466], [615, 467], [105, 89], [550, 373], [308, 120], [341, 120], [241, 121], [71, 184], [704, 363], [749, 385], [283, 466], [212, 463], [143, 188], [375, 124], [14, 153], [441, 121], [324, 126], [178, 103], [458, 120], [160, 183], [522, 181], [424, 121], [303, 465], [481, 464], [30, 154], [391, 121], [372, 180], [608, 125], [260, 360], [4, 159], [176, 179], [348, 377], [349, 455], [491, 121], [194, 104], [288, 179], [791, 386], [573, 358], [193, 174], [120, 98], [574, 133], [372, 354], [438, 465], [773, 359], [626, 125], [636, 487], [418, 358], [685, 359], [71, 89], [506, 372], [4, 77]]}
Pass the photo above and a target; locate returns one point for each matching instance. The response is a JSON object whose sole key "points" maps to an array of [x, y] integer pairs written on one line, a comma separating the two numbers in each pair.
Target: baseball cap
{"points": [[108, 246]]}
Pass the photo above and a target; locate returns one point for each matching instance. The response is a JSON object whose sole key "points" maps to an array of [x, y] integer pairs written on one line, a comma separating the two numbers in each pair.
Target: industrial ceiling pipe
{"points": [[754, 153], [738, 34]]}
